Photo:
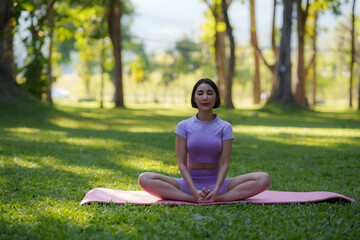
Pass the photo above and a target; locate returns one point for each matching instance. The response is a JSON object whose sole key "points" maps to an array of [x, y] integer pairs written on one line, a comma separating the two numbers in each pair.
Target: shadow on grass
{"points": [[103, 143], [307, 119], [47, 166]]}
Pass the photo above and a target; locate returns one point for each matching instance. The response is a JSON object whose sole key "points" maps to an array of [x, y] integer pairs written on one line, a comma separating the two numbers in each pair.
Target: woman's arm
{"points": [[181, 153], [225, 156]]}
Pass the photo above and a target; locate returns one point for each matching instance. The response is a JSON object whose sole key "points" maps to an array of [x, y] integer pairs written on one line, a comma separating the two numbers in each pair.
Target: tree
{"points": [[50, 62], [359, 92], [184, 58], [282, 93], [35, 70], [314, 50], [302, 15], [343, 46], [352, 57], [219, 45], [10, 91], [115, 10], [90, 35], [114, 13], [254, 43], [230, 75], [275, 49]]}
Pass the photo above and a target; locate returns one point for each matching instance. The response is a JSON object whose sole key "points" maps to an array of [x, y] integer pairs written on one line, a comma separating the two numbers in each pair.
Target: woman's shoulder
{"points": [[182, 126], [223, 122], [227, 129], [188, 120]]}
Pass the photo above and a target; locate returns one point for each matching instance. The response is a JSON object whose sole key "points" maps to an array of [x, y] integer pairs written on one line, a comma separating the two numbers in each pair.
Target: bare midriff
{"points": [[202, 165]]}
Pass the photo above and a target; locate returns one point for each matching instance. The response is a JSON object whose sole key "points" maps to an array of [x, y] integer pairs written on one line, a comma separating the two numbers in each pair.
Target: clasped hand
{"points": [[205, 196]]}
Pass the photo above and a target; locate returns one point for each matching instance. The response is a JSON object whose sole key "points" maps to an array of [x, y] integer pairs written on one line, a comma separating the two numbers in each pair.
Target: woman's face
{"points": [[205, 97]]}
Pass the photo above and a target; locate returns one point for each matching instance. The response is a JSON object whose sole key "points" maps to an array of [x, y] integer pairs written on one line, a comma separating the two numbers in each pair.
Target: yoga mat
{"points": [[104, 195]]}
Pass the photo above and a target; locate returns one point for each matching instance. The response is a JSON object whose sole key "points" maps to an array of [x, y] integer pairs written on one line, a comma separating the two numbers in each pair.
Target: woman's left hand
{"points": [[210, 197]]}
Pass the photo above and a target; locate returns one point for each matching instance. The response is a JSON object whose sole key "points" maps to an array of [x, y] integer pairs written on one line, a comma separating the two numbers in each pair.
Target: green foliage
{"points": [[35, 70], [138, 69], [64, 34], [49, 160], [36, 77], [208, 33], [186, 57], [140, 66]]}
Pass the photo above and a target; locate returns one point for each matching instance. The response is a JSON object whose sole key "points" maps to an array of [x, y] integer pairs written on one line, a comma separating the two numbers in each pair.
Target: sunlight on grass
{"points": [[302, 132], [302, 136], [23, 163], [335, 107], [150, 165], [49, 161], [24, 131], [70, 123]]}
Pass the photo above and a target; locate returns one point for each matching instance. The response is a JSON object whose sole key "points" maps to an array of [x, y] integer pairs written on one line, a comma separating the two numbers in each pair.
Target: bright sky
{"points": [[162, 22]]}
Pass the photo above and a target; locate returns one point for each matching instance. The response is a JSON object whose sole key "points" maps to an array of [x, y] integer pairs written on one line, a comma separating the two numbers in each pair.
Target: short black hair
{"points": [[212, 84]]}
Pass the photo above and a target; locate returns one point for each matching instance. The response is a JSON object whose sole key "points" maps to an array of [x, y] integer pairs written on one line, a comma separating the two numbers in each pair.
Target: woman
{"points": [[203, 148]]}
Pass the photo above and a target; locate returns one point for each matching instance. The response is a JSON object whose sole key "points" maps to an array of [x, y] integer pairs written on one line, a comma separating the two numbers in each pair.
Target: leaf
{"points": [[221, 27]]}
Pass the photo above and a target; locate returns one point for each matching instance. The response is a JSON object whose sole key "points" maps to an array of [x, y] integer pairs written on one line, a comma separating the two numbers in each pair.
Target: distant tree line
{"points": [[100, 31]]}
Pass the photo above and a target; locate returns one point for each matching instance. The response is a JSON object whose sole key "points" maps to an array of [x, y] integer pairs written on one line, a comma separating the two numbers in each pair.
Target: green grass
{"points": [[49, 160]]}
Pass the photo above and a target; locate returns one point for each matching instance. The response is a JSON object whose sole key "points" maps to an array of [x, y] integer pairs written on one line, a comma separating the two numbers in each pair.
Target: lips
{"points": [[205, 104]]}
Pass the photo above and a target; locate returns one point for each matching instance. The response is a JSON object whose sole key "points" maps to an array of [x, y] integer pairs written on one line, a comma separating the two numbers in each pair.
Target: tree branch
{"points": [[41, 20], [307, 9], [273, 44], [211, 8], [270, 67], [309, 65], [228, 4]]}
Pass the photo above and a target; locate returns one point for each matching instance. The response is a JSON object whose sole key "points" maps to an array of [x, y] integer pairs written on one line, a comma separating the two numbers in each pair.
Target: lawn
{"points": [[49, 160]]}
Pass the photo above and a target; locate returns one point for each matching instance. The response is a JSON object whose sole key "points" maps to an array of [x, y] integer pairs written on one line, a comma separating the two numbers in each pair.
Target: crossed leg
{"points": [[245, 186], [240, 187], [163, 186]]}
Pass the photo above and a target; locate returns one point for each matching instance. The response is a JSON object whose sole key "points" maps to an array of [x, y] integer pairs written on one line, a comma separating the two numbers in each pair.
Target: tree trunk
{"points": [[283, 92], [300, 94], [359, 92], [220, 59], [230, 75], [51, 25], [10, 91], [220, 47], [114, 23], [254, 42], [271, 67], [314, 47], [102, 59], [9, 49], [273, 31], [352, 60]]}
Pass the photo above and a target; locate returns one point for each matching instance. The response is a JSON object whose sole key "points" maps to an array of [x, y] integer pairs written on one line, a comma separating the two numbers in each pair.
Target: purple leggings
{"points": [[203, 178]]}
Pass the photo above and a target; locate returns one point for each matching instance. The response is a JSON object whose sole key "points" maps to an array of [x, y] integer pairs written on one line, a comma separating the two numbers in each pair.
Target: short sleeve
{"points": [[181, 129], [228, 132]]}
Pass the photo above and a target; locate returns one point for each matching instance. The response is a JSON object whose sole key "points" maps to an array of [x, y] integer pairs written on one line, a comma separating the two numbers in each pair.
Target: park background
{"points": [[56, 147], [164, 51]]}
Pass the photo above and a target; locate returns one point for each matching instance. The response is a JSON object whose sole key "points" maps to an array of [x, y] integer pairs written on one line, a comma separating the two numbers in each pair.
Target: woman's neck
{"points": [[205, 116]]}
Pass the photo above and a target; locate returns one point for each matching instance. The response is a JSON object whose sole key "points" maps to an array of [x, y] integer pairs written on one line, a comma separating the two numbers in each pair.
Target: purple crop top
{"points": [[204, 139]]}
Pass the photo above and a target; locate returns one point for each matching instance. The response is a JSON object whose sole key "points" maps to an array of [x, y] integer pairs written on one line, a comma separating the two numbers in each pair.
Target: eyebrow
{"points": [[209, 90]]}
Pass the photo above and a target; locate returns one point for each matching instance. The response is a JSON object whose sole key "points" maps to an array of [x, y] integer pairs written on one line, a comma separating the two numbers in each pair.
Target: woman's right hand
{"points": [[200, 195]]}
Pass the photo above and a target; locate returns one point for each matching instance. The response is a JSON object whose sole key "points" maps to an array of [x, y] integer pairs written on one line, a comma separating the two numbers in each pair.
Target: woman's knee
{"points": [[264, 179], [144, 179]]}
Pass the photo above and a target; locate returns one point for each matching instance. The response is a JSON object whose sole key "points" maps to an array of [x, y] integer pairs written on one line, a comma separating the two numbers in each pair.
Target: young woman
{"points": [[203, 148]]}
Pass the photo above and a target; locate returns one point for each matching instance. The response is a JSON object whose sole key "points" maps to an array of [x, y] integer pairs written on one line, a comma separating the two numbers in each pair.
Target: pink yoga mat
{"points": [[104, 195]]}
